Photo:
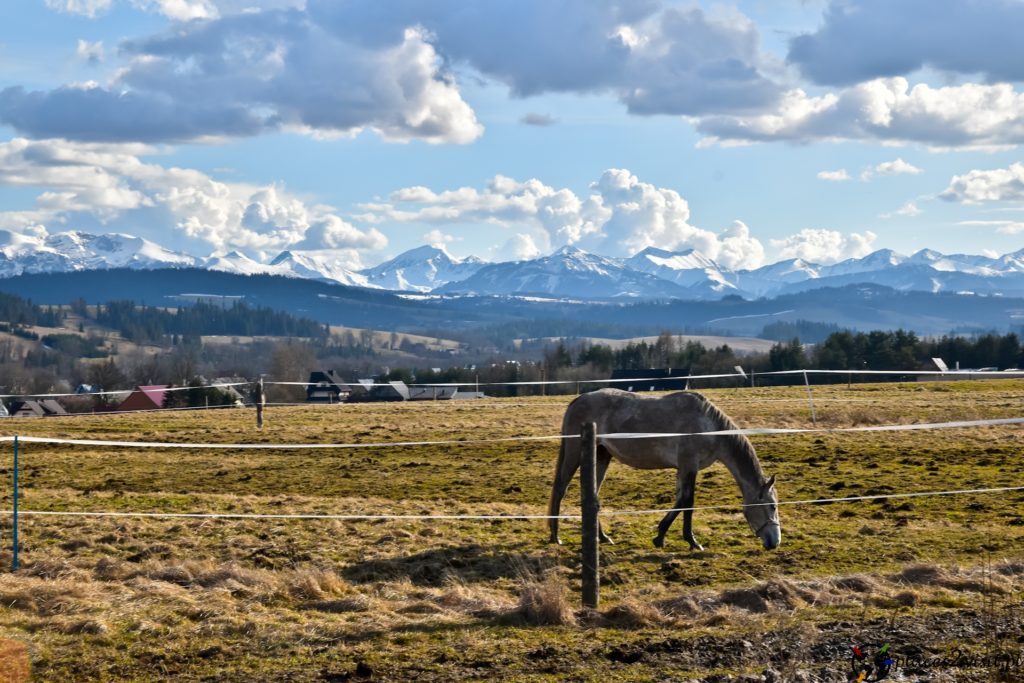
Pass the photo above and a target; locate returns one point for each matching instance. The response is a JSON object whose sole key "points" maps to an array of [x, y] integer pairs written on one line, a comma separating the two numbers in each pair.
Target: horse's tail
{"points": [[557, 493], [554, 504]]}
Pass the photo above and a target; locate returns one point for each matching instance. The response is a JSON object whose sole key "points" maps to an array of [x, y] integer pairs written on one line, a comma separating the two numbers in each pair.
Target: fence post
{"points": [[261, 402], [14, 516], [810, 399], [590, 507]]}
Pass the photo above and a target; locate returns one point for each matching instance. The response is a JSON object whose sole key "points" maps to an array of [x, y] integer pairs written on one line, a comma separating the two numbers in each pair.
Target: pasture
{"points": [[310, 600]]}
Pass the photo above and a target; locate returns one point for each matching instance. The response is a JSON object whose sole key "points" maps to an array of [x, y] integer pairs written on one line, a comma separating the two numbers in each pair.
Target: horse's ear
{"points": [[770, 483]]}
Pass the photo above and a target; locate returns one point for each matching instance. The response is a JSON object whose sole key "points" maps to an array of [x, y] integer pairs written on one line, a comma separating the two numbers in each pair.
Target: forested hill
{"points": [[857, 307], [144, 324]]}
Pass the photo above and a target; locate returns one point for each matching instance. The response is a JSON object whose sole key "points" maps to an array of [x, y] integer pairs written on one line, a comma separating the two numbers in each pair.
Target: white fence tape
{"points": [[490, 517], [958, 424]]}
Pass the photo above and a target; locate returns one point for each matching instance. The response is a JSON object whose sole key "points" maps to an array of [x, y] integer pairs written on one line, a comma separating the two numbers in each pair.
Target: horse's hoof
{"points": [[659, 541], [696, 546], [605, 539], [555, 540]]}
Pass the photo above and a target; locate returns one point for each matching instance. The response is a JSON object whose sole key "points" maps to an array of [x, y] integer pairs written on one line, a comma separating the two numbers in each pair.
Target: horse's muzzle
{"points": [[771, 536]]}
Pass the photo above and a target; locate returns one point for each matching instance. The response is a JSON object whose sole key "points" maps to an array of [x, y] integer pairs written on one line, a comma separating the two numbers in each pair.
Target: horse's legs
{"points": [[604, 458], [568, 463], [690, 490], [686, 483]]}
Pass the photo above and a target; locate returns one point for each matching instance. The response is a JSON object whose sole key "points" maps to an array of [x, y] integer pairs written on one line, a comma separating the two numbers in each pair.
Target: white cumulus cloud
{"points": [[111, 183], [976, 186], [895, 167], [885, 110], [621, 216], [834, 176], [909, 209], [825, 246], [85, 8]]}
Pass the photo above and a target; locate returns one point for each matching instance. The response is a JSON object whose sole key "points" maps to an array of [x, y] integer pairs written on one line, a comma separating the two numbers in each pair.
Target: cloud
{"points": [[438, 239], [519, 247], [654, 60], [895, 167], [85, 8], [111, 183], [883, 110], [998, 184], [1002, 227], [90, 52], [534, 119], [866, 39], [251, 73], [180, 10], [621, 215], [834, 176], [909, 209], [825, 246]]}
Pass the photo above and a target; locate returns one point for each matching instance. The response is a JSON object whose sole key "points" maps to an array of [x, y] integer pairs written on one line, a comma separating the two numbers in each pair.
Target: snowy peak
{"points": [[568, 272], [876, 260], [70, 251], [421, 270], [688, 268], [315, 265]]}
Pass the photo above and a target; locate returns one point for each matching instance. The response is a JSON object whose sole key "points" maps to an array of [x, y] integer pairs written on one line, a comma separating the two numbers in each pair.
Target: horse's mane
{"points": [[741, 444]]}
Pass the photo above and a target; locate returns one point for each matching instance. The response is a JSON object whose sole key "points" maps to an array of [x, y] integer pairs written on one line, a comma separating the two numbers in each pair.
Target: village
{"points": [[323, 387]]}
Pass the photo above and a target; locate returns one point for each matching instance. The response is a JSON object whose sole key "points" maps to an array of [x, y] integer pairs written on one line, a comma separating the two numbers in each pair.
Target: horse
{"points": [[685, 412]]}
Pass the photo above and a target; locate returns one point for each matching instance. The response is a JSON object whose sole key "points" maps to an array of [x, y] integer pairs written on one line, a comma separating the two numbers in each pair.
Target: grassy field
{"points": [[307, 600]]}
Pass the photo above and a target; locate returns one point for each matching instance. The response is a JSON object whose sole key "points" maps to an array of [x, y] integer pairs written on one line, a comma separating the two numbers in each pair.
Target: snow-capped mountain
{"points": [[69, 251], [569, 272], [314, 265], [763, 280], [308, 265], [688, 268], [421, 270]]}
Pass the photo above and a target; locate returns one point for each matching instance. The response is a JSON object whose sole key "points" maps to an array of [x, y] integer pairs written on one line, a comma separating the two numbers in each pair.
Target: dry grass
{"points": [[311, 600]]}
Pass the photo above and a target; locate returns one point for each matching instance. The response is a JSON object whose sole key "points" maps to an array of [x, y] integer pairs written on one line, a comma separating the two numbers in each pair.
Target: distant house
{"points": [[468, 395], [3, 410], [236, 395], [442, 394], [145, 397], [326, 387], [87, 389], [44, 408], [392, 391], [432, 393], [652, 379]]}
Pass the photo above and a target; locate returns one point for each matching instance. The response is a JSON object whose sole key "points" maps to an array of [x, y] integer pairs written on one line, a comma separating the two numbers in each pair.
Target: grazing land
{"points": [[306, 600]]}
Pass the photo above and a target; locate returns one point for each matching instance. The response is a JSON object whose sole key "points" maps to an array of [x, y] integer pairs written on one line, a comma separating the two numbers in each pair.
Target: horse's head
{"points": [[762, 513]]}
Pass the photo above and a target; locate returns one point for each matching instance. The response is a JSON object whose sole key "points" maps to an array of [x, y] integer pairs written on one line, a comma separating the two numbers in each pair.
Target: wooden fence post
{"points": [[591, 507], [260, 399], [14, 516]]}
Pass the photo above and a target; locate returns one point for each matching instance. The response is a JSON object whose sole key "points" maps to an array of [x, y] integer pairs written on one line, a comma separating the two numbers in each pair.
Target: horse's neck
{"points": [[737, 454]]}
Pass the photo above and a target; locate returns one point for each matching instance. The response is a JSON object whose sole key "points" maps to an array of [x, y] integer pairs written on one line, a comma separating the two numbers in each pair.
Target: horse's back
{"points": [[614, 410]]}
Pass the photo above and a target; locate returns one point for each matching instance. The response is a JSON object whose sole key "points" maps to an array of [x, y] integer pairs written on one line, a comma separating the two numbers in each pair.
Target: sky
{"points": [[751, 131]]}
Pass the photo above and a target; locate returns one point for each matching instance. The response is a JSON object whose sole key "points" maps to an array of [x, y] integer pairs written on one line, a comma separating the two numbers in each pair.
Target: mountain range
{"points": [[567, 273]]}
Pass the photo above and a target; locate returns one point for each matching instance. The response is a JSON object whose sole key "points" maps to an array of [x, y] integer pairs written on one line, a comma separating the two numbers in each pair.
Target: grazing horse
{"points": [[616, 411]]}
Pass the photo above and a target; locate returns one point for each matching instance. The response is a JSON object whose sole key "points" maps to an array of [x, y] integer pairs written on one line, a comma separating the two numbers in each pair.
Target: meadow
{"points": [[134, 598]]}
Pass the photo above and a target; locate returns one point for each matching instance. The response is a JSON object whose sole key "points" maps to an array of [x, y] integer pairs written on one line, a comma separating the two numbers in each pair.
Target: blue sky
{"points": [[751, 131]]}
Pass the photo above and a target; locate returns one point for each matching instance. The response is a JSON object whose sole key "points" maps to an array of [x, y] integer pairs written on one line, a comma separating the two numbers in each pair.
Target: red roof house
{"points": [[147, 397]]}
